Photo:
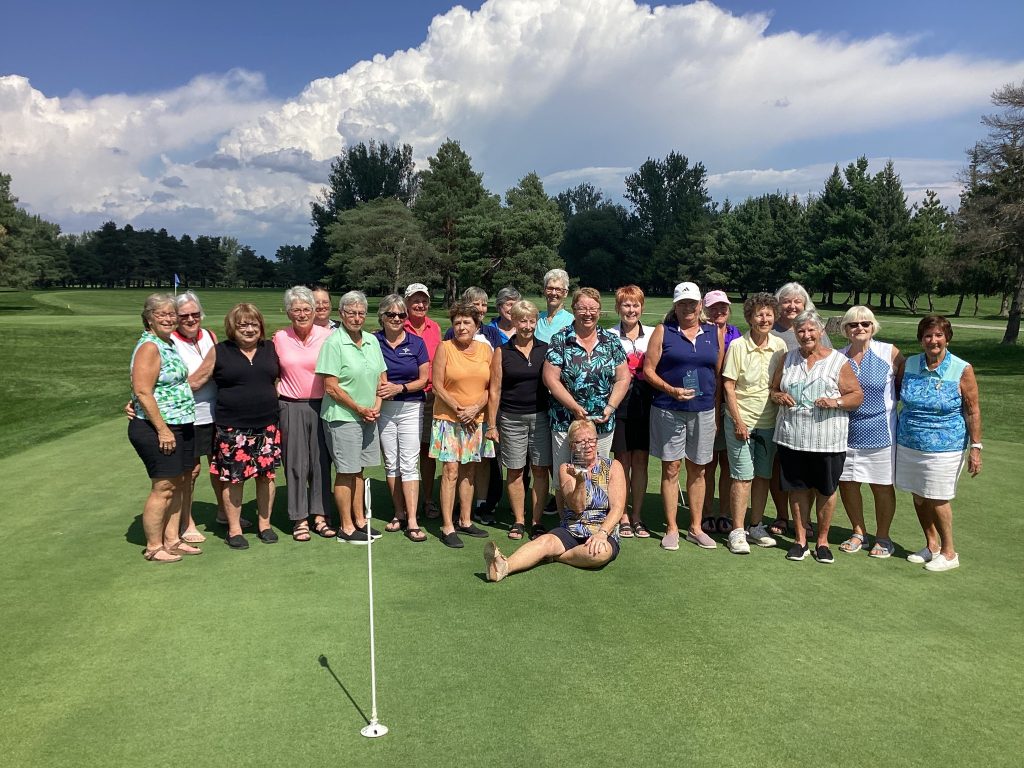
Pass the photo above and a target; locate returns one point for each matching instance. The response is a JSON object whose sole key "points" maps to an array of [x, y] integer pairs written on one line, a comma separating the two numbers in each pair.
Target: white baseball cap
{"points": [[417, 288], [686, 291]]}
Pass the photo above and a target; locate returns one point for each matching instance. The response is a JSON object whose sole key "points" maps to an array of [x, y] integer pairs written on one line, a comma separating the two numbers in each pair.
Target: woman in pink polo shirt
{"points": [[307, 461]]}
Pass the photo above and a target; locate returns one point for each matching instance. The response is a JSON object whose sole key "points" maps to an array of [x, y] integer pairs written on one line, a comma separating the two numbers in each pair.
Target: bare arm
{"points": [[616, 509], [729, 390], [850, 393], [651, 360], [972, 416], [899, 364], [145, 370], [494, 396], [776, 394]]}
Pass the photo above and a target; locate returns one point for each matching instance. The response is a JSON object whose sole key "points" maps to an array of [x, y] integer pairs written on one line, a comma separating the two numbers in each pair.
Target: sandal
{"points": [[517, 531], [151, 556], [709, 525], [181, 547], [536, 530], [625, 531], [853, 544], [193, 537], [396, 524], [640, 530], [300, 531], [883, 548], [415, 534], [724, 525], [431, 511], [780, 527], [322, 528]]}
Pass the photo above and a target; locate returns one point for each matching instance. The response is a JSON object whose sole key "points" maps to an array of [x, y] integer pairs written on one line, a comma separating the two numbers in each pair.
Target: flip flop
{"points": [[396, 524], [415, 534]]}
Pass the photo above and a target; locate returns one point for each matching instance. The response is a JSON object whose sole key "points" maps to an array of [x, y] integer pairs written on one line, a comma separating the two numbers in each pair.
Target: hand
{"points": [[368, 414], [467, 413], [826, 402], [742, 432], [492, 434], [129, 410], [606, 413], [386, 390], [682, 393], [597, 544], [974, 462], [783, 399], [579, 413], [166, 440]]}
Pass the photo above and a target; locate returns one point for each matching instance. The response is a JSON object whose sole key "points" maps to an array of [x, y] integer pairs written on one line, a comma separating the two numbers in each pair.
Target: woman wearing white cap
{"points": [[684, 358]]}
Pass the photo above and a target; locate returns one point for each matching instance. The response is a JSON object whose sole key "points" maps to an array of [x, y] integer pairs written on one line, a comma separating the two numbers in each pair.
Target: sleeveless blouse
{"points": [[688, 364], [172, 393], [466, 376], [806, 427], [932, 418], [873, 423], [597, 506]]}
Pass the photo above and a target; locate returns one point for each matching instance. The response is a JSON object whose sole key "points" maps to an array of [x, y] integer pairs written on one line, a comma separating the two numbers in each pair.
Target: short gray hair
{"points": [[508, 293], [808, 316], [474, 293], [298, 293], [189, 296], [794, 289], [153, 302], [388, 303], [352, 298], [556, 276]]}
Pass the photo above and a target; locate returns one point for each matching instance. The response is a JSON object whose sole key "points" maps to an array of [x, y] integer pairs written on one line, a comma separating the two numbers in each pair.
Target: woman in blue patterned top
{"points": [[871, 441], [161, 430], [941, 414], [594, 488]]}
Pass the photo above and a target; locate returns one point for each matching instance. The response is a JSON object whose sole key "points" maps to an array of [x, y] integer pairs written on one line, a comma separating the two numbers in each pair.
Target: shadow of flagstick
{"points": [[326, 665]]}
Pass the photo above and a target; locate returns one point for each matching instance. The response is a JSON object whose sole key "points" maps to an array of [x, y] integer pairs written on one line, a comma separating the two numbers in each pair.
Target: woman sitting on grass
{"points": [[162, 431], [594, 489]]}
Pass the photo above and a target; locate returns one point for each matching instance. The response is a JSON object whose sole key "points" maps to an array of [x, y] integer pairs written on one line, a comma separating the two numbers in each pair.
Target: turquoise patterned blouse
{"points": [[589, 378], [932, 418], [172, 393]]}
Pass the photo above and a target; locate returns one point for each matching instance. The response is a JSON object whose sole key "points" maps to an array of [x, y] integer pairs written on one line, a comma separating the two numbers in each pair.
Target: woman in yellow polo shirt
{"points": [[749, 422], [462, 373]]}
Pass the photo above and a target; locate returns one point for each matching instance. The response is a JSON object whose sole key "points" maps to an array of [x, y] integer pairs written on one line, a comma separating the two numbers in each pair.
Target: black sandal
{"points": [[517, 531], [323, 528], [536, 530]]}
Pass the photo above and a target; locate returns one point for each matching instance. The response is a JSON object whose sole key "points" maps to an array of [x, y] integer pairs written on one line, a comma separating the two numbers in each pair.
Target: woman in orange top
{"points": [[462, 372]]}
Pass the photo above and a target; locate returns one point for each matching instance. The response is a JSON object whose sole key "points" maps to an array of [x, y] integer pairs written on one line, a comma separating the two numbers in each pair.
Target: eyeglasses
{"points": [[165, 315], [589, 442], [354, 312], [248, 325], [190, 316], [395, 315], [588, 310], [300, 312], [554, 289], [860, 324]]}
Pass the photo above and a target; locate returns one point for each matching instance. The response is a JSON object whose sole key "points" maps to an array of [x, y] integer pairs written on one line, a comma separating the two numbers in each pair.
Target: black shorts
{"points": [[807, 470], [204, 440], [633, 428], [569, 541], [160, 465]]}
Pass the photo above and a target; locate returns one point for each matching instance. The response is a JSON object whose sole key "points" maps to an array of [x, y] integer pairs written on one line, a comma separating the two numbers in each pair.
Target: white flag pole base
{"points": [[374, 730]]}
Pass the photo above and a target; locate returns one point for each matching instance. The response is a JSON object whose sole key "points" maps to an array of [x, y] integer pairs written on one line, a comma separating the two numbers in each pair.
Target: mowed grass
{"points": [[261, 657]]}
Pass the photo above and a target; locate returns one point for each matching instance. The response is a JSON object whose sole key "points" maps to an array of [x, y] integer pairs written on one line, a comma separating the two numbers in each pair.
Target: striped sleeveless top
{"points": [[807, 427]]}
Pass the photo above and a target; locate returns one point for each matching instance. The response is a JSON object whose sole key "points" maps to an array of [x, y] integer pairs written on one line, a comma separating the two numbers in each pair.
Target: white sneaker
{"points": [[921, 556], [758, 534], [940, 562], [738, 542]]}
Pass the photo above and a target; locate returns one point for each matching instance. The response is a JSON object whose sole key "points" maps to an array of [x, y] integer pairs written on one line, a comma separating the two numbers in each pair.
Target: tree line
{"points": [[379, 224]]}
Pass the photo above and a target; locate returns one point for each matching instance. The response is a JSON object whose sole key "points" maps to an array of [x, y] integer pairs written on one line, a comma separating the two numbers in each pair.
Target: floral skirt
{"points": [[239, 454], [452, 442]]}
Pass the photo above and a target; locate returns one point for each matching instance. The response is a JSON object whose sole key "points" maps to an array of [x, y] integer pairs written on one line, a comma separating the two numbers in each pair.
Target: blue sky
{"points": [[200, 116]]}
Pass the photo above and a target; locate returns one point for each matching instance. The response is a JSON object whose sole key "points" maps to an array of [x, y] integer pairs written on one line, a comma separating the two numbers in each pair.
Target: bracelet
{"points": [[601, 530]]}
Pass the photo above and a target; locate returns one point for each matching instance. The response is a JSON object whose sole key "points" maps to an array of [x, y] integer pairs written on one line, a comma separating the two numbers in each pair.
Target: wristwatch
{"points": [[979, 446]]}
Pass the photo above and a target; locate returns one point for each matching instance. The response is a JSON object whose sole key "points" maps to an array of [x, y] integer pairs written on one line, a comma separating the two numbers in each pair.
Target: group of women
{"points": [[537, 394]]}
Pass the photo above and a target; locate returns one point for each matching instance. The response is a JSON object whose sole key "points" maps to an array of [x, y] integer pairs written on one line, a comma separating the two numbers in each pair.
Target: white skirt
{"points": [[929, 475], [869, 465]]}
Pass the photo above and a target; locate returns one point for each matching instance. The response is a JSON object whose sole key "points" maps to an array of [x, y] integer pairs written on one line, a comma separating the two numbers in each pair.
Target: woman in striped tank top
{"points": [[815, 388]]}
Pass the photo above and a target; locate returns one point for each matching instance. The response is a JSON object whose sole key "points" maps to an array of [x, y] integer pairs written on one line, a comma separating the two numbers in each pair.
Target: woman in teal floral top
{"points": [[161, 431]]}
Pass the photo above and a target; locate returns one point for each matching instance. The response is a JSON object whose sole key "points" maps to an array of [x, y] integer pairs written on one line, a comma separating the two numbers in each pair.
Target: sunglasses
{"points": [[190, 316], [860, 324], [393, 315]]}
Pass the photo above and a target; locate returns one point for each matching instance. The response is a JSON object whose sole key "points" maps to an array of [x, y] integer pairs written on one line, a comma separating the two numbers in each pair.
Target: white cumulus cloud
{"points": [[577, 90]]}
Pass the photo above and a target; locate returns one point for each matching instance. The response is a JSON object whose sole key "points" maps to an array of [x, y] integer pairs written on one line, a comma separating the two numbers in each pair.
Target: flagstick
{"points": [[373, 729]]}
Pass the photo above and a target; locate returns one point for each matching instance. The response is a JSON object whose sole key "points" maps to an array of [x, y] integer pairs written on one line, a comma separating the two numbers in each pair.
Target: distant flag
{"points": [[177, 281]]}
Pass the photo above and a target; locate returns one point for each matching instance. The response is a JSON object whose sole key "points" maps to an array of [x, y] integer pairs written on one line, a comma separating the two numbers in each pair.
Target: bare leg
{"points": [[156, 510], [539, 491], [231, 495], [780, 498], [578, 557], [449, 479], [188, 525], [428, 468], [622, 458], [344, 491], [739, 496], [801, 501], [695, 487], [926, 516], [759, 499], [885, 508], [854, 505], [724, 482], [517, 493], [826, 507], [638, 483], [410, 491], [397, 493], [669, 494], [542, 549], [481, 481], [707, 508], [466, 481], [265, 490], [172, 524], [943, 512], [358, 503]]}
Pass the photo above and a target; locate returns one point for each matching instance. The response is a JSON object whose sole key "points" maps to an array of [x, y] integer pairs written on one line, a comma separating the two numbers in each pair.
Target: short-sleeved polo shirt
{"points": [[752, 368], [357, 368]]}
